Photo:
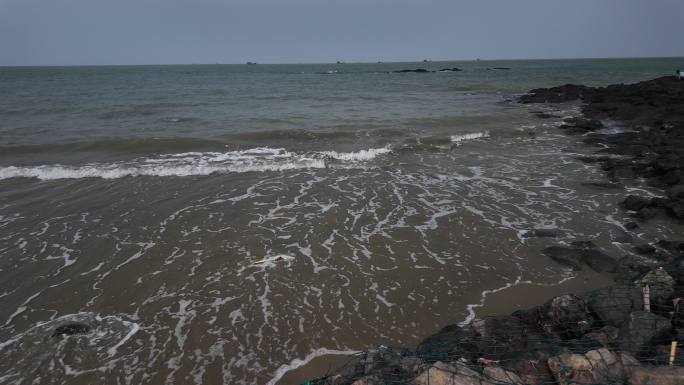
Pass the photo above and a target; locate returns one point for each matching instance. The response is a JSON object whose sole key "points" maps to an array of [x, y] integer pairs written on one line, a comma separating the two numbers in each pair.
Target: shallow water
{"points": [[144, 200]]}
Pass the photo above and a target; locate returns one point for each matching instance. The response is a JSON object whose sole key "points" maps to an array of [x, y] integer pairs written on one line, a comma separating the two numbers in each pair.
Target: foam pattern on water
{"points": [[380, 255]]}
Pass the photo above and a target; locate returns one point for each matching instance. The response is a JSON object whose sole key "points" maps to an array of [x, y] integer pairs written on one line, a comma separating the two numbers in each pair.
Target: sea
{"points": [[222, 224]]}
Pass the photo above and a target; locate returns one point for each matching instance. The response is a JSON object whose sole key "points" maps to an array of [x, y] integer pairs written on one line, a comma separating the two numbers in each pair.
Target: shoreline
{"points": [[493, 302], [618, 321]]}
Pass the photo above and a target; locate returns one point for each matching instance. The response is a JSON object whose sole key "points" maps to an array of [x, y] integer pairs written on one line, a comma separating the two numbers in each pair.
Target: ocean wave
{"points": [[361, 155], [465, 137], [259, 159]]}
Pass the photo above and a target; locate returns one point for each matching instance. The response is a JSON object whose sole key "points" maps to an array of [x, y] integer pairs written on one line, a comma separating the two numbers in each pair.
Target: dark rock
{"points": [[451, 341], [588, 124], [575, 257], [631, 225], [623, 237], [676, 209], [566, 93], [643, 330], [566, 316], [661, 286], [71, 329], [583, 244], [417, 70], [454, 69], [647, 213], [606, 336], [503, 336], [544, 115], [593, 159], [612, 305], [671, 246], [543, 233], [676, 192], [632, 267], [635, 203], [644, 249], [599, 261], [565, 256]]}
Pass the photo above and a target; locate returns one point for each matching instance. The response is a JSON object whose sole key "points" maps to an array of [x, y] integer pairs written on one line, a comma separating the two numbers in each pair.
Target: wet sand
{"points": [[501, 302]]}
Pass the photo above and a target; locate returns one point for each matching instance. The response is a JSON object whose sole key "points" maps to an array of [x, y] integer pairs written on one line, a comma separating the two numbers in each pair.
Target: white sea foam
{"points": [[357, 155], [475, 135], [298, 363], [260, 159]]}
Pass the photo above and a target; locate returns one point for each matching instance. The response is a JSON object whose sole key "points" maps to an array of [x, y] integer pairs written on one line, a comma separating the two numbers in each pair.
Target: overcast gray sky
{"points": [[48, 32]]}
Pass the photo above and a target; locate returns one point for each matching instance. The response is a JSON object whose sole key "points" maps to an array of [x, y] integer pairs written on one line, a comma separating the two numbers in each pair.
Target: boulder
{"points": [[676, 192], [605, 336], [365, 381], [644, 248], [576, 257], [632, 267], [631, 225], [566, 316], [599, 261], [417, 70], [676, 209], [661, 286], [570, 369], [500, 375], [531, 367], [613, 305], [504, 337], [542, 233], [70, 329], [662, 375], [606, 365], [449, 374], [544, 115], [565, 93], [635, 203], [451, 341], [641, 332], [565, 256]]}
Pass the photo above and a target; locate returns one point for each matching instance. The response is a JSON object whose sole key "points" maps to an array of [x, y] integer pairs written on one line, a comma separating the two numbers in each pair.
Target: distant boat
{"points": [[340, 62], [249, 63]]}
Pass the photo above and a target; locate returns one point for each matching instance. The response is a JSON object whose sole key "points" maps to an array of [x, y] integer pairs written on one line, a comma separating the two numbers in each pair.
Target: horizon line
{"points": [[345, 62]]}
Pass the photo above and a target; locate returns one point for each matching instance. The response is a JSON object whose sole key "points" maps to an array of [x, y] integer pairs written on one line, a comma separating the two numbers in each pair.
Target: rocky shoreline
{"points": [[622, 334]]}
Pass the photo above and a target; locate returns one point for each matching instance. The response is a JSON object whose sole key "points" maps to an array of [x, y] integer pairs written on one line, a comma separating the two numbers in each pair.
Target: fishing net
{"points": [[623, 334]]}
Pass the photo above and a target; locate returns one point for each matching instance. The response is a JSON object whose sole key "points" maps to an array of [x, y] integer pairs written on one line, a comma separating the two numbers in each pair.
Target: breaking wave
{"points": [[475, 135], [258, 159]]}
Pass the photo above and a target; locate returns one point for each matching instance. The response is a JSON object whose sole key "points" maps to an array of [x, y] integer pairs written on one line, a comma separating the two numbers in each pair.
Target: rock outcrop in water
{"points": [[417, 70], [650, 142], [623, 334]]}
